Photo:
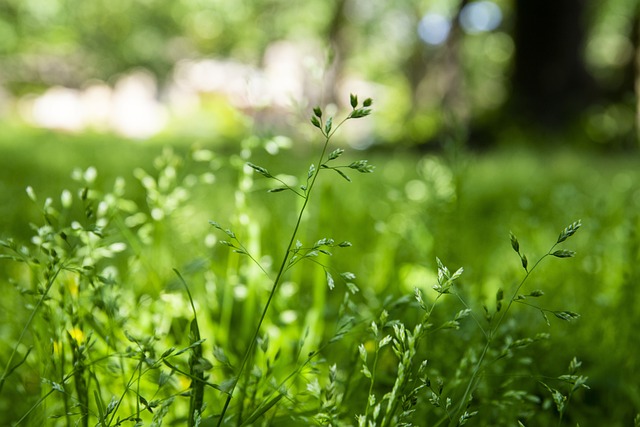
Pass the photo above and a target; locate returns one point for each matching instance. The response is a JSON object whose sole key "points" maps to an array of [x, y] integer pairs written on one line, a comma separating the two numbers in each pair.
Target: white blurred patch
{"points": [[58, 108], [129, 109], [135, 111]]}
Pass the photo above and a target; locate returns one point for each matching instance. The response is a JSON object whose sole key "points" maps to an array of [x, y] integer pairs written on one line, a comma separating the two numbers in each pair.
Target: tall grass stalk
{"points": [[328, 130], [53, 271], [515, 297], [196, 398]]}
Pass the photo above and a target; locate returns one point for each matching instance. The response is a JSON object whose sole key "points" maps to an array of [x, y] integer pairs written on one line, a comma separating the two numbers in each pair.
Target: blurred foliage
{"points": [[459, 207], [68, 41], [423, 90]]}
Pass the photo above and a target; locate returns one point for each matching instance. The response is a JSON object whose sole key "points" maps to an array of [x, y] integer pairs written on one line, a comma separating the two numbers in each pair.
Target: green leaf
{"points": [[580, 382], [514, 242], [451, 324], [569, 231], [335, 154], [353, 100], [418, 296], [457, 274], [362, 166], [17, 365], [318, 112], [366, 371], [546, 319], [559, 399], [342, 174], [168, 352], [574, 365], [278, 189], [359, 112], [347, 275], [499, 295], [113, 404], [443, 289], [563, 253], [31, 193], [130, 337], [462, 314], [523, 342], [525, 262], [566, 315], [330, 281], [220, 356], [353, 288], [367, 102], [193, 345], [262, 409], [312, 170], [262, 171], [202, 364], [316, 122], [465, 417], [100, 405], [325, 241], [327, 125], [363, 353]]}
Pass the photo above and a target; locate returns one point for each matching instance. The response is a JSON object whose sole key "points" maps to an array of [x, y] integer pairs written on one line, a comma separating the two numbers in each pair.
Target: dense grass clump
{"points": [[209, 289]]}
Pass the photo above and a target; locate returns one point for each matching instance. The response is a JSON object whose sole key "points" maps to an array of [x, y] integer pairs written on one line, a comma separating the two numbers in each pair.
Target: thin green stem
{"points": [[243, 251], [277, 280], [34, 407], [288, 187], [490, 336], [373, 379], [8, 368], [126, 389], [473, 316]]}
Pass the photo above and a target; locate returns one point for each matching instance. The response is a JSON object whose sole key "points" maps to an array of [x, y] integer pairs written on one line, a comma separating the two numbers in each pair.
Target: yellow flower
{"points": [[57, 348], [77, 335], [72, 285]]}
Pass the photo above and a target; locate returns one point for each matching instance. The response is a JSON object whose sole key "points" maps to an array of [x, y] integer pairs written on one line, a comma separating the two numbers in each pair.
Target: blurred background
{"points": [[501, 72], [489, 117]]}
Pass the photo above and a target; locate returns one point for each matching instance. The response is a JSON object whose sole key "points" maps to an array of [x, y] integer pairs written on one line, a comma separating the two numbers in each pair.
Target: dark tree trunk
{"points": [[550, 84]]}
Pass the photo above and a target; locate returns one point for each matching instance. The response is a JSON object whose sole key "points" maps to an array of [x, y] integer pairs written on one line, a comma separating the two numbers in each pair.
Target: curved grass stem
{"points": [[277, 279], [8, 370], [473, 381]]}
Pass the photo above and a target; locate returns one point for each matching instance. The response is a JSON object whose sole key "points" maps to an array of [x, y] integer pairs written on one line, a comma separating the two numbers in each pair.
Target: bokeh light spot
{"points": [[434, 28], [480, 16], [416, 190]]}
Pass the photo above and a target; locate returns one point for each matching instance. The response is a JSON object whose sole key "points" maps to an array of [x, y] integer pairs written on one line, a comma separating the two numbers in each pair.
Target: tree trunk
{"points": [[550, 84]]}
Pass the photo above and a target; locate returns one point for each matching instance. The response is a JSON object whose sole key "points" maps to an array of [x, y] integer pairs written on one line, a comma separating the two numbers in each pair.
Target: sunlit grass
{"points": [[131, 309]]}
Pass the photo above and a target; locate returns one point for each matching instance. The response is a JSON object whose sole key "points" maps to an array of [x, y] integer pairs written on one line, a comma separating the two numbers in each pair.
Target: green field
{"points": [[97, 328]]}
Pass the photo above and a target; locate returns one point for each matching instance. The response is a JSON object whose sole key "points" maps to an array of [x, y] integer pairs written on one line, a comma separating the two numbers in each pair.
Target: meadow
{"points": [[449, 288]]}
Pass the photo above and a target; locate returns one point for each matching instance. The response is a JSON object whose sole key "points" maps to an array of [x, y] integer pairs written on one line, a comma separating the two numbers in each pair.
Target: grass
{"points": [[126, 309]]}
